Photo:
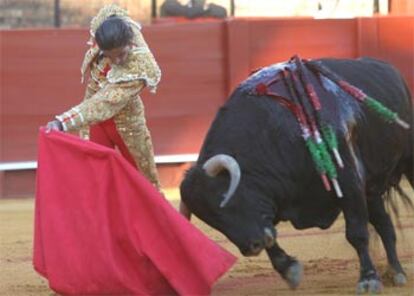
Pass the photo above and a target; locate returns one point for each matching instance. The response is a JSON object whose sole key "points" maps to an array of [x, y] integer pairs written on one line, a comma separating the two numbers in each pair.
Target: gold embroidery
{"points": [[139, 65], [132, 127], [144, 65], [122, 102], [90, 56]]}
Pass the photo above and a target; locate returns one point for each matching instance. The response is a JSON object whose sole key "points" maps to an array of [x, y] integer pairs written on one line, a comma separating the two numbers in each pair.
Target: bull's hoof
{"points": [[371, 286], [396, 278], [293, 274], [399, 279]]}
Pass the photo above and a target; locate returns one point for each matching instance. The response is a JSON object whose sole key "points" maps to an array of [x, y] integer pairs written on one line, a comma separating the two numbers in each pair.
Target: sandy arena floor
{"points": [[330, 264]]}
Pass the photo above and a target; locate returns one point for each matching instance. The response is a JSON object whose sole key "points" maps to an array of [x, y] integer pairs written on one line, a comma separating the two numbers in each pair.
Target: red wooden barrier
{"points": [[390, 39], [255, 43], [39, 77], [192, 58], [201, 62]]}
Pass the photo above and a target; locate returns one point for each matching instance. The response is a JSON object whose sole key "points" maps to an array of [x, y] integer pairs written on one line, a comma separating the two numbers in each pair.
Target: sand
{"points": [[330, 263]]}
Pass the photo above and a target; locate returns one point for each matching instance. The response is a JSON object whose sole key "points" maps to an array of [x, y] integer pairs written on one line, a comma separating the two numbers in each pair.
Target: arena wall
{"points": [[201, 61]]}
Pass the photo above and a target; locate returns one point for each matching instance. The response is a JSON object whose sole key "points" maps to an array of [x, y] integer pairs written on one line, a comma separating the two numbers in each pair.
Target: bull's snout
{"points": [[256, 246]]}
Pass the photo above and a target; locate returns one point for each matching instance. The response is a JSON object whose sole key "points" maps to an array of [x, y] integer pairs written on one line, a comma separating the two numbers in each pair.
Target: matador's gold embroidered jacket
{"points": [[113, 92]]}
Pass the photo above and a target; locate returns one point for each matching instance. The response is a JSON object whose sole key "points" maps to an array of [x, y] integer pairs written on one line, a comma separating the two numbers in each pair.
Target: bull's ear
{"points": [[189, 175], [191, 182], [188, 172]]}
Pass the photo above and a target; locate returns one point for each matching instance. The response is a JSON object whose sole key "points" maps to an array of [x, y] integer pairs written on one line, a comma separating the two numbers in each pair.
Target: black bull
{"points": [[259, 143]]}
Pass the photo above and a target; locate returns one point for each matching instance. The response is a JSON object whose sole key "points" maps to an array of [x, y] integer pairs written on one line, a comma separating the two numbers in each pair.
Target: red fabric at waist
{"points": [[106, 134]]}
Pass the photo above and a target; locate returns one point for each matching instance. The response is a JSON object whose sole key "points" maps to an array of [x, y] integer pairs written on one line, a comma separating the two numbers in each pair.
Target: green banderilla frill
{"points": [[329, 137], [384, 112], [329, 167], [316, 155], [380, 109], [327, 160], [324, 164]]}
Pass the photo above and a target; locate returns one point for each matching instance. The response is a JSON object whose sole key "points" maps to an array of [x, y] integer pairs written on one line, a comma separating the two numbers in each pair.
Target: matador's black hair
{"points": [[113, 33]]}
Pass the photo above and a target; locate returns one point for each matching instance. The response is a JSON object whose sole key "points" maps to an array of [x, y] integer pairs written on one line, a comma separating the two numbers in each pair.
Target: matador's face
{"points": [[118, 55]]}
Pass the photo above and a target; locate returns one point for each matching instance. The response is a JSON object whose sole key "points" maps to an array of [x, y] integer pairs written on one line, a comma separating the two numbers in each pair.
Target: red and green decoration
{"points": [[359, 95], [304, 103]]}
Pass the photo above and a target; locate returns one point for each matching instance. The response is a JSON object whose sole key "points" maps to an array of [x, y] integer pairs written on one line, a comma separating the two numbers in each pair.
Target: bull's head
{"points": [[218, 194]]}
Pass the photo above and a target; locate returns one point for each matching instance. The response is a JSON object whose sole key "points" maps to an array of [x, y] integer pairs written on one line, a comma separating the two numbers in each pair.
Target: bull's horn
{"points": [[216, 164]]}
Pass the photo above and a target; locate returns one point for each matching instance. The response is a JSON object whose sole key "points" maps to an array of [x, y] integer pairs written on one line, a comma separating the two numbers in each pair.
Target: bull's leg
{"points": [[380, 219], [288, 267], [356, 219]]}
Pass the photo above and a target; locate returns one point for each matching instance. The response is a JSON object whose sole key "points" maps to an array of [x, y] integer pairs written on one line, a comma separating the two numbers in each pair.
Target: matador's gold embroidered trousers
{"points": [[121, 102]]}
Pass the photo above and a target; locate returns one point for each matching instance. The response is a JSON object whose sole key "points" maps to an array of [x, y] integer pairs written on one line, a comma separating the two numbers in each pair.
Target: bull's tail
{"points": [[394, 198], [409, 170], [399, 189]]}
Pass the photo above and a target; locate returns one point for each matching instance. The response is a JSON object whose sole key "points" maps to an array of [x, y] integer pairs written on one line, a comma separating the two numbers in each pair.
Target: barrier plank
{"points": [[390, 39], [201, 62]]}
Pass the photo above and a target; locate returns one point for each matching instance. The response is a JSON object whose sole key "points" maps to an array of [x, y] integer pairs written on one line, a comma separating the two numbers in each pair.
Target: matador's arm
{"points": [[102, 105]]}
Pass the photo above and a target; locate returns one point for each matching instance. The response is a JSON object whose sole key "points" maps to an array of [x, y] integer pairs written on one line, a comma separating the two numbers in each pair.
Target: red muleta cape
{"points": [[102, 228]]}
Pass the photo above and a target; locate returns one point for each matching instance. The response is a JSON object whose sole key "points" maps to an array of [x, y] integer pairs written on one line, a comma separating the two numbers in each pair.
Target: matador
{"points": [[112, 112]]}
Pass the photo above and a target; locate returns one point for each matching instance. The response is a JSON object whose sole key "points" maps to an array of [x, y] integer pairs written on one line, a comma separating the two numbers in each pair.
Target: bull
{"points": [[254, 169]]}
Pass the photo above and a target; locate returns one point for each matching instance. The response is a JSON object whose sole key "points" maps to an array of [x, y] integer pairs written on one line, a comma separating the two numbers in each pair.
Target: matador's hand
{"points": [[54, 125]]}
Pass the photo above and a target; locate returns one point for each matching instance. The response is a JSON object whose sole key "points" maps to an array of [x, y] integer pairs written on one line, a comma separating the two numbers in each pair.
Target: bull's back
{"points": [[385, 149], [377, 79]]}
